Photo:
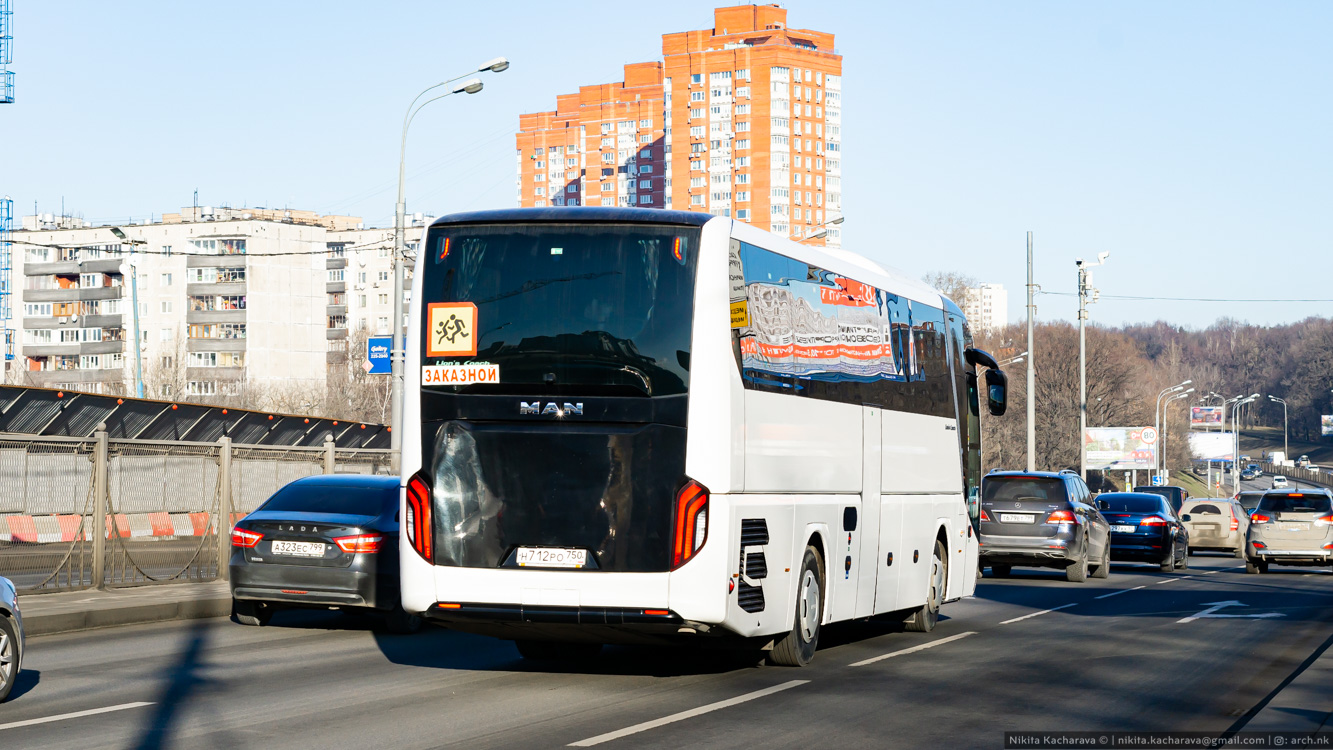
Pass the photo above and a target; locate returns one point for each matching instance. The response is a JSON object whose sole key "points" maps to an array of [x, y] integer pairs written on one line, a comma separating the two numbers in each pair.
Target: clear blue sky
{"points": [[1193, 140]]}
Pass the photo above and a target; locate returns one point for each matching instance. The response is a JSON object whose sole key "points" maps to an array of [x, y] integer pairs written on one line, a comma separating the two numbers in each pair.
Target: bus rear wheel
{"points": [[797, 648], [923, 620]]}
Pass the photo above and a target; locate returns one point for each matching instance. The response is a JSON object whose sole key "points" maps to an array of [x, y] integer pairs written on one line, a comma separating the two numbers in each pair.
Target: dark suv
{"points": [[1174, 495], [1045, 520]]}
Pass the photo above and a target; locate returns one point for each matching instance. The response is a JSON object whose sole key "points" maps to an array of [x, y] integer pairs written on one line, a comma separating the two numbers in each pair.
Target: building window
{"points": [[166, 279], [696, 78], [383, 275], [743, 143], [336, 275], [166, 306], [202, 388]]}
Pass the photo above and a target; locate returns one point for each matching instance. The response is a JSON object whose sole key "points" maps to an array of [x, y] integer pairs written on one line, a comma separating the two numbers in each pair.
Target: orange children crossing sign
{"points": [[452, 329]]}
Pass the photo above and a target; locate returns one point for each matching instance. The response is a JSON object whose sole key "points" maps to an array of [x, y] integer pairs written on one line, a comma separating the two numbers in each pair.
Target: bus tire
{"points": [[556, 651], [923, 620], [797, 647]]}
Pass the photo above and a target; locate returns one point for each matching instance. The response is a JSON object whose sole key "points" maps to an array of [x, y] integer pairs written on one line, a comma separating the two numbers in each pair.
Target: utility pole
{"points": [[1085, 290], [1032, 352], [131, 266]]}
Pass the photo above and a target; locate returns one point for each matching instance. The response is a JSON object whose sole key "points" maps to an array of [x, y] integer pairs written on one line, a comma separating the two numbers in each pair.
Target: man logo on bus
{"points": [[450, 329]]}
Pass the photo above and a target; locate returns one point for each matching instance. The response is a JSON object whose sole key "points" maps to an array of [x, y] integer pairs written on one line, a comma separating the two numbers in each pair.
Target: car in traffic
{"points": [[1044, 520], [324, 542], [1303, 460], [1145, 528], [1250, 472], [1280, 482], [1249, 499], [1173, 494], [1215, 525], [1290, 528], [11, 637]]}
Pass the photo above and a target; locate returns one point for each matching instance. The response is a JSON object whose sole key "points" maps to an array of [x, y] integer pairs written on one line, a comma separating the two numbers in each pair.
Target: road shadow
{"points": [[26, 680], [183, 680]]}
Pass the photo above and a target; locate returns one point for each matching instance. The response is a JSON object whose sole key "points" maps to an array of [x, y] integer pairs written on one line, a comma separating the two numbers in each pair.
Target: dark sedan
{"points": [[322, 542], [1144, 528]]}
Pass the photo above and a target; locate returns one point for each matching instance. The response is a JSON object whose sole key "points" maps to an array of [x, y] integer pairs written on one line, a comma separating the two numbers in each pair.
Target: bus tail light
{"points": [[691, 523], [245, 539], [418, 516]]}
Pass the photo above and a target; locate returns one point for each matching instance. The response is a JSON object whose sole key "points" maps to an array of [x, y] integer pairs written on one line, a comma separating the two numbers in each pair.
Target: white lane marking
{"points": [[74, 715], [1213, 607], [1044, 611], [912, 650], [1121, 591], [693, 712], [1159, 583]]}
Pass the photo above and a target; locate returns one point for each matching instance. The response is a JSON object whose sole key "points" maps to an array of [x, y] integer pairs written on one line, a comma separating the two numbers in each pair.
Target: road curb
{"points": [[128, 613]]}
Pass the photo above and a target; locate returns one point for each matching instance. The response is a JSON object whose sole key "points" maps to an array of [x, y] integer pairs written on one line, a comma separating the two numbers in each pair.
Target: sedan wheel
{"points": [[1169, 562]]}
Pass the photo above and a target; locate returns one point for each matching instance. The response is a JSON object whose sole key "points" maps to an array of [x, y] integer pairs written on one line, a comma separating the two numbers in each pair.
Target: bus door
{"points": [[868, 526]]}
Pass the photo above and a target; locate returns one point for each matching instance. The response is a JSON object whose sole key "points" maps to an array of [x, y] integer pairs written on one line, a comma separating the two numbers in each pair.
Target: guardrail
{"points": [[1318, 478], [95, 512]]}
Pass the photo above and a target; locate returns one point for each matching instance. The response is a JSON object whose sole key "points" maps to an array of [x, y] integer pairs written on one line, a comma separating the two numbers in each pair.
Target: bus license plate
{"points": [[298, 549], [1016, 518], [551, 557]]}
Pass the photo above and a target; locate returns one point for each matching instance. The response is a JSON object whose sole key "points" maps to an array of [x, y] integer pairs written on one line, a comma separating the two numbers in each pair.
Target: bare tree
{"points": [[952, 284]]}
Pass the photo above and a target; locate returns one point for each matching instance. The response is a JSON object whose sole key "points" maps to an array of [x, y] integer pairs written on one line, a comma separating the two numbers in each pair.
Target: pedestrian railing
{"points": [[94, 512]]}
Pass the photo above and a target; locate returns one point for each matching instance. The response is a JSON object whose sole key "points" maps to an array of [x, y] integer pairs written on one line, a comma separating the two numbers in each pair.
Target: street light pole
{"points": [[1235, 428], [1161, 434], [396, 347], [1031, 395], [822, 232], [132, 265], [1085, 290], [1157, 421], [1282, 401]]}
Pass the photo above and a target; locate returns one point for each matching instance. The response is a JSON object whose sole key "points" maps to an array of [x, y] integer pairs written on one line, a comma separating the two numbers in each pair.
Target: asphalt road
{"points": [[1030, 652]]}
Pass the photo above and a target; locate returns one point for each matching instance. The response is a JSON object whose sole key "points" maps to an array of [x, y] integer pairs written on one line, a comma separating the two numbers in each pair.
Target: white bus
{"points": [[637, 425]]}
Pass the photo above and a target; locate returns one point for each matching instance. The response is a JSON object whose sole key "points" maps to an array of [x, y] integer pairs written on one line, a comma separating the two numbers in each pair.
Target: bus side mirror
{"points": [[997, 392]]}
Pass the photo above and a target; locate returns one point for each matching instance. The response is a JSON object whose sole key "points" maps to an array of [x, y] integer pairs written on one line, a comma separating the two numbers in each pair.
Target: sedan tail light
{"points": [[1153, 521], [359, 543], [418, 519], [691, 529], [1259, 518], [245, 539], [1061, 516]]}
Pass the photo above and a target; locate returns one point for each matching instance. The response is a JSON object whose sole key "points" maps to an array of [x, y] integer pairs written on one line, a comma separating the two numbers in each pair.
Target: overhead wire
{"points": [[1135, 298]]}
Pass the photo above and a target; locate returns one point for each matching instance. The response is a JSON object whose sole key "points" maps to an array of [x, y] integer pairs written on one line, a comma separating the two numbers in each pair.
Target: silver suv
{"points": [[1290, 528]]}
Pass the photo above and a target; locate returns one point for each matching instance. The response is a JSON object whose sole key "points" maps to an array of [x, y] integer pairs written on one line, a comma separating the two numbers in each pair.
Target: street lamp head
{"points": [[836, 221], [817, 235], [119, 234], [471, 87], [1101, 258], [1187, 382], [498, 65]]}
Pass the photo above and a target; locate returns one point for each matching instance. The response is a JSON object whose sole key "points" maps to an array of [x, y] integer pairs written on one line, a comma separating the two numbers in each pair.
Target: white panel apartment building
{"points": [[229, 300], [987, 307]]}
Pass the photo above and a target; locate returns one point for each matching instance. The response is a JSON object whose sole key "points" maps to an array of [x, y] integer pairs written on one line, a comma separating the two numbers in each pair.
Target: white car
{"points": [[1279, 483]]}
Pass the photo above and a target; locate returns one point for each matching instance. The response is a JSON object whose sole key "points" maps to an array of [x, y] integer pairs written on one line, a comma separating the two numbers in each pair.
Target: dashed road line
{"points": [[1121, 591], [1044, 611], [911, 650], [74, 715], [1169, 580], [693, 712]]}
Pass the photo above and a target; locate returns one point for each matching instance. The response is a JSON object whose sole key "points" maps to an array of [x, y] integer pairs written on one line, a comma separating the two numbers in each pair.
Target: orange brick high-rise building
{"points": [[741, 120]]}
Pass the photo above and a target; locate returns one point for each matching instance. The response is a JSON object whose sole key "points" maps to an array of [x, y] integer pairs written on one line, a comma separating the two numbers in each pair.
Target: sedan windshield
{"points": [[318, 498]]}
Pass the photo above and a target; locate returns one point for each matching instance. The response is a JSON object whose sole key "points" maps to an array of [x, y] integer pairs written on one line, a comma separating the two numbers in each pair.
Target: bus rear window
{"points": [[561, 308]]}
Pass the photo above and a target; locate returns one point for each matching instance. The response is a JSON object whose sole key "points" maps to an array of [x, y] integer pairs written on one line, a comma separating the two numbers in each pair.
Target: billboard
{"points": [[1121, 447], [1205, 416], [1213, 446], [1326, 424]]}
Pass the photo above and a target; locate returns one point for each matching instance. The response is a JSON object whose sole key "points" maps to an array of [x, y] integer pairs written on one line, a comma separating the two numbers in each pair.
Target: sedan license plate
{"points": [[1124, 529], [1017, 518], [1295, 527], [551, 557], [298, 549]]}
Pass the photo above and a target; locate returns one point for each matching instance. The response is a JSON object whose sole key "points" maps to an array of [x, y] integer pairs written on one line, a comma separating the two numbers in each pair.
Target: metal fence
{"points": [[96, 512]]}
